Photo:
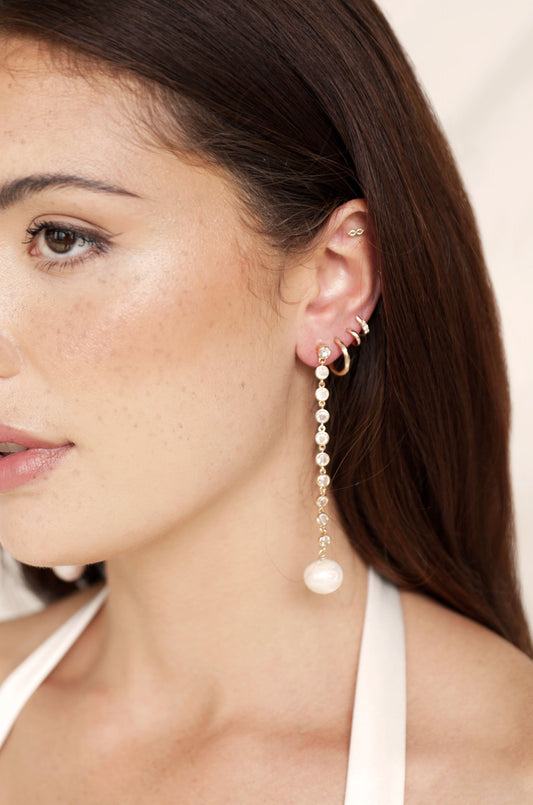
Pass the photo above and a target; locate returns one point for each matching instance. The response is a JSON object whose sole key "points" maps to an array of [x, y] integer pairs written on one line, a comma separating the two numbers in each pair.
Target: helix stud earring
{"points": [[324, 575], [355, 232]]}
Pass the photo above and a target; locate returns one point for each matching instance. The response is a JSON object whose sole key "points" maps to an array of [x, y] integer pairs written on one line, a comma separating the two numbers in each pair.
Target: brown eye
{"points": [[63, 246], [60, 240]]}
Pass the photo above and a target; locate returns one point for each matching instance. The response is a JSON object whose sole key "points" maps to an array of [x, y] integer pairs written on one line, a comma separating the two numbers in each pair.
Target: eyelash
{"points": [[99, 245]]}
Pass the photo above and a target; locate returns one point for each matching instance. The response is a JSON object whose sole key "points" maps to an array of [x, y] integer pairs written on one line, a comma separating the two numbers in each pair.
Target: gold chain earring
{"points": [[325, 575]]}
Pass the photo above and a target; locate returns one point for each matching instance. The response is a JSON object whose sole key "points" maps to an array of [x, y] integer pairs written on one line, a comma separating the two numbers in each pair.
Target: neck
{"points": [[219, 602]]}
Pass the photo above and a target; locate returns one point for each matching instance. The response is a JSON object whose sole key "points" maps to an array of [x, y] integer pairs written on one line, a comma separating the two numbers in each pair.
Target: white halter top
{"points": [[376, 765]]}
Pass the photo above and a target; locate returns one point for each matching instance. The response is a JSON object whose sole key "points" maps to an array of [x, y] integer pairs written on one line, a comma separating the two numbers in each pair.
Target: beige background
{"points": [[474, 58]]}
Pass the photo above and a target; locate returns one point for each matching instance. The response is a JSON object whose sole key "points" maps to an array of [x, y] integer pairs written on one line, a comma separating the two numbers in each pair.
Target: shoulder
{"points": [[20, 636], [470, 706]]}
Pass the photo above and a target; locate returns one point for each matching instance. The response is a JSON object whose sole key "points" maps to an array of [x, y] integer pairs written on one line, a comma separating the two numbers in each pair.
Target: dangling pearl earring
{"points": [[323, 576], [69, 572]]}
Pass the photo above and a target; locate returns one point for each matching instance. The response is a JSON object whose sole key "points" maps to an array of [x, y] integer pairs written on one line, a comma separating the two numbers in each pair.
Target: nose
{"points": [[9, 358]]}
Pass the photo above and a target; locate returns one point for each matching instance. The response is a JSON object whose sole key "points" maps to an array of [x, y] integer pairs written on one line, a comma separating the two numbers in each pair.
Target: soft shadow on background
{"points": [[475, 61]]}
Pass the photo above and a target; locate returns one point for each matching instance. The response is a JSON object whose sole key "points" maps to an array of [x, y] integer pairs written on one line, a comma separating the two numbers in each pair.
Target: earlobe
{"points": [[347, 285]]}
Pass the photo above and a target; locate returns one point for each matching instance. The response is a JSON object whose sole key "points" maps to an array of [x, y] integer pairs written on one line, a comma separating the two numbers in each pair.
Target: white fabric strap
{"points": [[26, 678], [376, 766]]}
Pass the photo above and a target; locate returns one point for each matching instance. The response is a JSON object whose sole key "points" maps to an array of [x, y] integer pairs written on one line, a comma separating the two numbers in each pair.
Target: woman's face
{"points": [[135, 325]]}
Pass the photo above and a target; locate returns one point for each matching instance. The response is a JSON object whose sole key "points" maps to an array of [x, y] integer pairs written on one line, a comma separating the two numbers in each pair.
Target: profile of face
{"points": [[144, 323], [137, 324]]}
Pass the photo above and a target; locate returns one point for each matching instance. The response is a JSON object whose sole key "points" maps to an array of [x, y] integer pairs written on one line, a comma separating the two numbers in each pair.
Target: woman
{"points": [[203, 207]]}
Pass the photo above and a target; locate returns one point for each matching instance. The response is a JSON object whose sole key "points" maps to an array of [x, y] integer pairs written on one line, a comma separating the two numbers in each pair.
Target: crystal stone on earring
{"points": [[322, 438], [322, 416], [322, 519], [323, 576], [322, 459], [323, 480], [324, 353], [321, 372], [324, 541], [322, 501], [322, 394]]}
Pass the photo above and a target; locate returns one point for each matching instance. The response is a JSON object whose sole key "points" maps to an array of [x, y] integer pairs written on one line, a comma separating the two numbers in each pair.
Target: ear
{"points": [[343, 283]]}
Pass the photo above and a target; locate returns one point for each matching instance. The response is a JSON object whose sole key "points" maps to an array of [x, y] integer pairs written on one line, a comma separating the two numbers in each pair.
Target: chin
{"points": [[38, 535], [39, 549]]}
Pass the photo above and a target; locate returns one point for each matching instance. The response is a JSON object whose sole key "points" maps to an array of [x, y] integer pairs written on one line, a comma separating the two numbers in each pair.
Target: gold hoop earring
{"points": [[346, 368], [356, 336]]}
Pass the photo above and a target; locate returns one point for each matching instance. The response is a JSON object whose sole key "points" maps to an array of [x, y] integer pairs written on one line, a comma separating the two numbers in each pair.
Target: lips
{"points": [[24, 457], [9, 435]]}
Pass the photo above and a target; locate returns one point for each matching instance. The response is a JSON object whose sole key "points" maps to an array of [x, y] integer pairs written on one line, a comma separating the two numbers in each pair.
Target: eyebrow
{"points": [[18, 189]]}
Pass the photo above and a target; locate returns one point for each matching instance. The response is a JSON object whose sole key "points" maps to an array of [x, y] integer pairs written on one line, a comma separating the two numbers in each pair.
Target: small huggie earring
{"points": [[346, 368], [356, 336], [365, 329]]}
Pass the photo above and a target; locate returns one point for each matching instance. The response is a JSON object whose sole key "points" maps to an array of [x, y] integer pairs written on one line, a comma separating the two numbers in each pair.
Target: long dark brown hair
{"points": [[309, 103]]}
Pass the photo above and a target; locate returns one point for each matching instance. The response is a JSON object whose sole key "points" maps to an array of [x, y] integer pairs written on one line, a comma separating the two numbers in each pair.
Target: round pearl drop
{"points": [[323, 576], [322, 416]]}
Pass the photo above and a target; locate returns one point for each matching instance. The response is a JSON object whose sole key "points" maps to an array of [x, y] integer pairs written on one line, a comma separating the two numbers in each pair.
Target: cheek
{"points": [[156, 379], [141, 333]]}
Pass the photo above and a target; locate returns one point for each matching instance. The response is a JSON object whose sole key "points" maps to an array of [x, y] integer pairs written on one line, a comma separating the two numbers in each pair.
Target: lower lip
{"points": [[20, 468]]}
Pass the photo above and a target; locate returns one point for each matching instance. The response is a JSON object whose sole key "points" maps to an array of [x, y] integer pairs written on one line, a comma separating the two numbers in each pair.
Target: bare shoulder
{"points": [[470, 708], [20, 636]]}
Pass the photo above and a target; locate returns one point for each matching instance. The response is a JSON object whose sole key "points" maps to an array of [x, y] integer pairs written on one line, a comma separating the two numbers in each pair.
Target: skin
{"points": [[187, 395]]}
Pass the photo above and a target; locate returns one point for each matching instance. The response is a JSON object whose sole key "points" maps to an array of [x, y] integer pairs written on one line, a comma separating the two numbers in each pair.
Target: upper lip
{"points": [[26, 439]]}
